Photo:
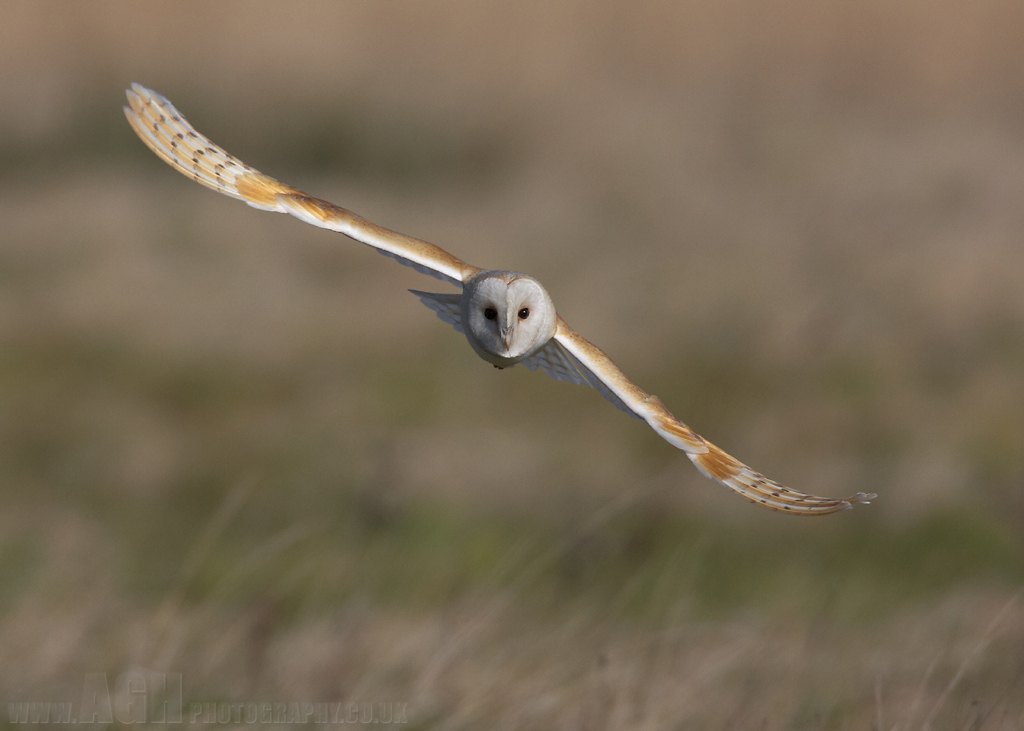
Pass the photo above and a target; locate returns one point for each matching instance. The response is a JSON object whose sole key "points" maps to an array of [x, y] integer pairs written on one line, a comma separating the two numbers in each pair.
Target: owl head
{"points": [[508, 316]]}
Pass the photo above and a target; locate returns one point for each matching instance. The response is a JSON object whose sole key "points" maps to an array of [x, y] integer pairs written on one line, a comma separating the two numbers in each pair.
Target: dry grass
{"points": [[231, 446]]}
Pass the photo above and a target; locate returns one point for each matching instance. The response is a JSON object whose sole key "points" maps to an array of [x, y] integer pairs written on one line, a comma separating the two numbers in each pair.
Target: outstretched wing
{"points": [[709, 459], [176, 142]]}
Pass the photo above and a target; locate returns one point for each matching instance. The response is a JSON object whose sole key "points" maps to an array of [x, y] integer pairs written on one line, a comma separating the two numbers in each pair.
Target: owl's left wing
{"points": [[604, 375], [176, 142]]}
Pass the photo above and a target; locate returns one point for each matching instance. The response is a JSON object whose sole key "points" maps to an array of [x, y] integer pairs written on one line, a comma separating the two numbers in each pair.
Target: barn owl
{"points": [[507, 317]]}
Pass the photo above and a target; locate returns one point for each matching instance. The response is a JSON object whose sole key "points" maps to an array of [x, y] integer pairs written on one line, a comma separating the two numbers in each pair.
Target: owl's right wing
{"points": [[176, 142], [603, 374]]}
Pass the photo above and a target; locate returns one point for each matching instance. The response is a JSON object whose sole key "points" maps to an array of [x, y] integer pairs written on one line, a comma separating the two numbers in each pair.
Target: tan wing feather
{"points": [[176, 142], [708, 458]]}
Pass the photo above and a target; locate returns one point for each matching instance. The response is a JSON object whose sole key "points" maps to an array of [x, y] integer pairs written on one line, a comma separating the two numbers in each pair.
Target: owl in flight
{"points": [[507, 317]]}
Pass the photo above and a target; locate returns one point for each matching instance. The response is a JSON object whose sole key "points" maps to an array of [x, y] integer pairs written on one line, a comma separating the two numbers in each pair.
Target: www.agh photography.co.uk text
{"points": [[141, 697]]}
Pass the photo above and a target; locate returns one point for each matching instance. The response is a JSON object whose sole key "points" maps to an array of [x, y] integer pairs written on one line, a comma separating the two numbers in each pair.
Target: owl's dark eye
{"points": [[524, 313], [490, 313]]}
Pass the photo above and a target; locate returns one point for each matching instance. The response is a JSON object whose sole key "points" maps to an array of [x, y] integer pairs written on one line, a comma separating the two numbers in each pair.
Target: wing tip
{"points": [[136, 93], [134, 100], [863, 498], [140, 96], [137, 89], [758, 489]]}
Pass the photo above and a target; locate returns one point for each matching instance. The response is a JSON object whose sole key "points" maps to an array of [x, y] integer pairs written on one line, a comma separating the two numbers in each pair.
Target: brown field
{"points": [[234, 449]]}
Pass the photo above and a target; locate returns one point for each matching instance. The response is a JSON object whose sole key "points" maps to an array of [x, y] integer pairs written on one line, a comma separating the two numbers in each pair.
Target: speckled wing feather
{"points": [[708, 458], [176, 142]]}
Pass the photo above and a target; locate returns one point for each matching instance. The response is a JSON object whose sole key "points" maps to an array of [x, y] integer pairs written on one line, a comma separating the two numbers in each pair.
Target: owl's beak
{"points": [[506, 337], [507, 329]]}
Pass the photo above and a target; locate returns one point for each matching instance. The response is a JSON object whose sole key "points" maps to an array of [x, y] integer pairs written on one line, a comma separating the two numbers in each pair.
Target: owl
{"points": [[507, 317]]}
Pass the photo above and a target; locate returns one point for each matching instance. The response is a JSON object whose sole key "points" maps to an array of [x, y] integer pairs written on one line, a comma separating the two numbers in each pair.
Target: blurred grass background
{"points": [[233, 446]]}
